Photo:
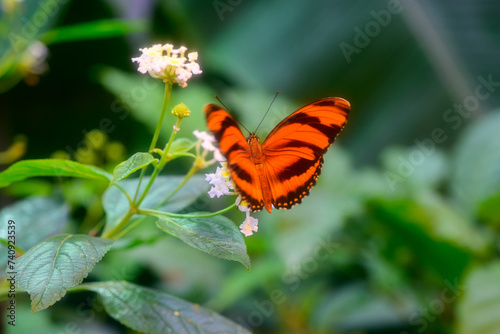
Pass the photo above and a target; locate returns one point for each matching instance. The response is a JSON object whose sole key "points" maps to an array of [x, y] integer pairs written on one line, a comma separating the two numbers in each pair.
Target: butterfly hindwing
{"points": [[294, 149], [235, 149]]}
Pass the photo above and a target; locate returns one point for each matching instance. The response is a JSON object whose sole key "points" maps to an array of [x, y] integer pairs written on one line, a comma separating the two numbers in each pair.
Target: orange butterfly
{"points": [[282, 170]]}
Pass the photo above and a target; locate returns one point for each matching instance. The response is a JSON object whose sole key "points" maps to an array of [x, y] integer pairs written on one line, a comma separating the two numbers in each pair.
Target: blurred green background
{"points": [[401, 233]]}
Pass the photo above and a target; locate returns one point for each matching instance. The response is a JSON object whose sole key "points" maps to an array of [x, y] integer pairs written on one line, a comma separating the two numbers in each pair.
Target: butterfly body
{"points": [[282, 170], [258, 159]]}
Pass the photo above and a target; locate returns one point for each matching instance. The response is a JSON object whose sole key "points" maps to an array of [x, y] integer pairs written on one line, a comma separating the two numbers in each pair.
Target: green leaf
{"points": [[217, 236], [406, 227], [489, 211], [30, 187], [445, 223], [45, 215], [478, 309], [206, 276], [239, 285], [116, 204], [134, 163], [50, 167], [57, 264], [181, 145], [93, 30], [476, 173], [155, 312]]}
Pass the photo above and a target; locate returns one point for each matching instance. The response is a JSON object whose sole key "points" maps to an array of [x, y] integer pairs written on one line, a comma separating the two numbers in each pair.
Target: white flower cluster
{"points": [[222, 184], [169, 64]]}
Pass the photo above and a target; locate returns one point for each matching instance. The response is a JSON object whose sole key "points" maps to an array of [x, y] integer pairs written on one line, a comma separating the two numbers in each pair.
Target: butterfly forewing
{"points": [[294, 149], [235, 149]]}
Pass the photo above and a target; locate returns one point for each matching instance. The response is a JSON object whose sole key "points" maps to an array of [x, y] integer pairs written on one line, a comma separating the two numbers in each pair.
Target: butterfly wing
{"points": [[294, 150], [235, 149]]}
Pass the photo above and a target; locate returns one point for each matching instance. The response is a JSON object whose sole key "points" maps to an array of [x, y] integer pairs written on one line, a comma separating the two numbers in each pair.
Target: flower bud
{"points": [[181, 111]]}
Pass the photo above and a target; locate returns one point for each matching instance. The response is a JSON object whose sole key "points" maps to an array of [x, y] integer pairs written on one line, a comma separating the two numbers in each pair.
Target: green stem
{"points": [[6, 244], [164, 158], [129, 228], [95, 230], [166, 98], [161, 164], [157, 213], [168, 90], [79, 288], [120, 225], [94, 213], [134, 204], [194, 169], [130, 202]]}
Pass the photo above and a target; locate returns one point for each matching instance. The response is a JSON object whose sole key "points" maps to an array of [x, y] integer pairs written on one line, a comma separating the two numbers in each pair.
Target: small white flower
{"points": [[169, 64], [242, 205], [218, 155], [250, 225], [207, 140], [217, 191], [193, 56], [194, 67]]}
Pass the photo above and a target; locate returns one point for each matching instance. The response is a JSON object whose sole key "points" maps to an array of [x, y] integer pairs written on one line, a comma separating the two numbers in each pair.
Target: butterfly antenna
{"points": [[275, 96], [228, 110]]}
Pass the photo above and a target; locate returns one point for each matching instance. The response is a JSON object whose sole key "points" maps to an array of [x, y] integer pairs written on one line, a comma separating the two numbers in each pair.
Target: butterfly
{"points": [[282, 170]]}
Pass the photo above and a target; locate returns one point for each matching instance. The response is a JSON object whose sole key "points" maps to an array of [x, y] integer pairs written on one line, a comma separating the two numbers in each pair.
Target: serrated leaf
{"points": [[478, 309], [217, 236], [57, 264], [50, 167], [132, 164], [155, 312], [45, 215], [116, 204]]}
